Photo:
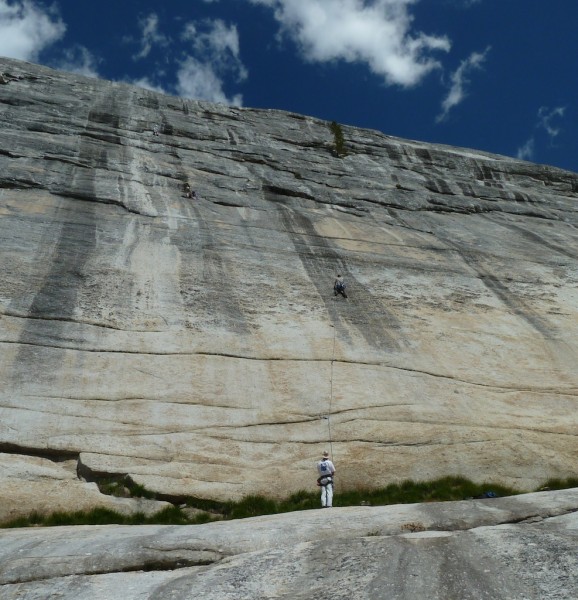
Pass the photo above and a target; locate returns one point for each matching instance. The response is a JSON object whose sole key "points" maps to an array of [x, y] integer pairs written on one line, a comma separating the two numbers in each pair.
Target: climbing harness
{"points": [[339, 287]]}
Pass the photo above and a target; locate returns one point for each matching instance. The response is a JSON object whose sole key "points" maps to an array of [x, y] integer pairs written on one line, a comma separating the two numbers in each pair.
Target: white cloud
{"points": [[466, 3], [212, 58], [216, 55], [79, 60], [377, 33], [150, 36], [459, 79], [217, 44], [545, 117], [26, 29], [200, 81], [526, 151], [147, 84]]}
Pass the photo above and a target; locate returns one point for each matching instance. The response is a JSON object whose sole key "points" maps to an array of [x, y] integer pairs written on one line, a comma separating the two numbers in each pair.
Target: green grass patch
{"points": [[301, 500], [250, 506], [406, 492], [124, 487], [560, 484], [205, 504], [410, 492], [139, 491], [170, 515]]}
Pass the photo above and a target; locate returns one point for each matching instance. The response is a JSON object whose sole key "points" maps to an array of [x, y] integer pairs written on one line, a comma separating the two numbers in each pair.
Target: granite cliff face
{"points": [[195, 343]]}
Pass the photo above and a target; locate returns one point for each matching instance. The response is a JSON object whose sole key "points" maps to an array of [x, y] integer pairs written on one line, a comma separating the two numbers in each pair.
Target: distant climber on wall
{"points": [[339, 286], [326, 472], [189, 193]]}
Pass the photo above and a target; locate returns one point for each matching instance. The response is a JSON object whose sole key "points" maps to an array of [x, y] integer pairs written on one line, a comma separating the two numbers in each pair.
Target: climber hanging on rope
{"points": [[189, 193], [339, 287]]}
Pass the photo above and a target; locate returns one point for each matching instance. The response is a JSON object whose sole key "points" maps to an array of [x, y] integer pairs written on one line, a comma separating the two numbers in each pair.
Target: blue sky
{"points": [[495, 75]]}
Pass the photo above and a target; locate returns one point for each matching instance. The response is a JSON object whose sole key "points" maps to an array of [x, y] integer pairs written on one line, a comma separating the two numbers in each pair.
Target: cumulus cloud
{"points": [[377, 33], [147, 84], [546, 116], [544, 123], [211, 58], [459, 80], [151, 36], [215, 56], [526, 150], [27, 28], [79, 60], [198, 80], [217, 44]]}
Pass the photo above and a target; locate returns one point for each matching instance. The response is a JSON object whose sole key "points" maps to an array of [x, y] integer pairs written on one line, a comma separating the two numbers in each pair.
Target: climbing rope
{"points": [[331, 396]]}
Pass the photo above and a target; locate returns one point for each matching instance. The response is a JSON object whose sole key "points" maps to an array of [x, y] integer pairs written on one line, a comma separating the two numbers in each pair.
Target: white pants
{"points": [[327, 495]]}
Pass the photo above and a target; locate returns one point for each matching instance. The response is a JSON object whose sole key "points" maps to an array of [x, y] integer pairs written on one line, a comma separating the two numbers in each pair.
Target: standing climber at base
{"points": [[339, 287], [326, 472]]}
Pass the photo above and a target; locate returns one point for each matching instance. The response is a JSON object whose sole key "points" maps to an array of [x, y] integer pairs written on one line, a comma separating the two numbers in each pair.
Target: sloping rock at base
{"points": [[29, 484], [195, 343], [518, 548]]}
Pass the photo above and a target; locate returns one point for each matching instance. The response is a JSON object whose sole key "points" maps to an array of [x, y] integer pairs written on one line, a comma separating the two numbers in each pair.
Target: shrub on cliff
{"points": [[338, 140]]}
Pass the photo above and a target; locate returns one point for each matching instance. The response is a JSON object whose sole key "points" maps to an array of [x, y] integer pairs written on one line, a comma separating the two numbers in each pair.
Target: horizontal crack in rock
{"points": [[156, 562], [53, 454], [89, 198]]}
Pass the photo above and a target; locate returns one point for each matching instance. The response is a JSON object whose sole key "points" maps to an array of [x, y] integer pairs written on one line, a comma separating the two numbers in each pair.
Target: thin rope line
{"points": [[331, 396]]}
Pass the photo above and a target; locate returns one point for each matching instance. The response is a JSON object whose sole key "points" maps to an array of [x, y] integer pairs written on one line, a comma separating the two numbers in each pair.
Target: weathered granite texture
{"points": [[195, 343], [29, 483], [519, 548]]}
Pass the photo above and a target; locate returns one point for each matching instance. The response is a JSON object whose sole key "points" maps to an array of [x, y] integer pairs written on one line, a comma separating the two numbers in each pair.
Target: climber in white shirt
{"points": [[326, 472]]}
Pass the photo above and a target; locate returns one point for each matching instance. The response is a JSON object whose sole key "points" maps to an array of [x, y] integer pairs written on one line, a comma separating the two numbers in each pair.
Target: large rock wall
{"points": [[196, 345]]}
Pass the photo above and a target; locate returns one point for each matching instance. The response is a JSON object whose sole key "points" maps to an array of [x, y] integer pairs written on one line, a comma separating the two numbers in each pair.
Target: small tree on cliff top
{"points": [[338, 139]]}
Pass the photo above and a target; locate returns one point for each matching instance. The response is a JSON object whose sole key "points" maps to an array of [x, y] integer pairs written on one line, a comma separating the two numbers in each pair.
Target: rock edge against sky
{"points": [[196, 345]]}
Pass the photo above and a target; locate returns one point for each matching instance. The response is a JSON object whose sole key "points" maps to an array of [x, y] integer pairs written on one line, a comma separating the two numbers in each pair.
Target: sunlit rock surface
{"points": [[195, 343], [518, 548]]}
